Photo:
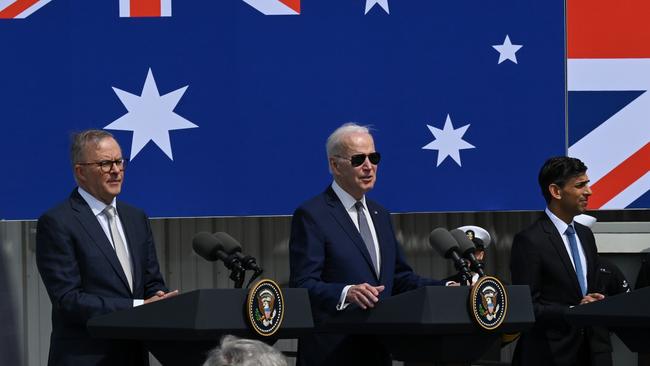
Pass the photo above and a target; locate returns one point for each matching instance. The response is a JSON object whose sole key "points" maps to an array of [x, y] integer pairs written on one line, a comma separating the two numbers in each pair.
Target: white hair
{"points": [[335, 145], [235, 351]]}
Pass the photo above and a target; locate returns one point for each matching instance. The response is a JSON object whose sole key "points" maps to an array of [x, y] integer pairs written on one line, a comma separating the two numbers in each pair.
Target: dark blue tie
{"points": [[573, 244], [366, 235]]}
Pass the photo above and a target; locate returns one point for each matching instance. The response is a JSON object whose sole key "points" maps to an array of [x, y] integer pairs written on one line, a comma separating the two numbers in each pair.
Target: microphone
{"points": [[212, 249], [467, 248], [445, 244], [233, 248]]}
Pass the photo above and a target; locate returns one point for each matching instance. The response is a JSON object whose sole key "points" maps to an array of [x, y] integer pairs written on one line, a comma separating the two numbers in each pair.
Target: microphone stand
{"points": [[461, 267], [237, 272], [257, 272]]}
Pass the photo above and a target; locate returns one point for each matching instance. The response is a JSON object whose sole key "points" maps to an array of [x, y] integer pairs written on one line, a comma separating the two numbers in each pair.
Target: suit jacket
{"points": [[84, 279], [326, 254], [540, 260]]}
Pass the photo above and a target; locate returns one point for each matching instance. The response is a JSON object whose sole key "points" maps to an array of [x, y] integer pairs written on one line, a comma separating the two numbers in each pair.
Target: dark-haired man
{"points": [[96, 255], [557, 258]]}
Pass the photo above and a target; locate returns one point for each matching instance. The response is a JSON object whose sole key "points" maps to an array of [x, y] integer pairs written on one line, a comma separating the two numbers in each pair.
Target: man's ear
{"points": [[334, 166], [555, 191], [78, 173]]}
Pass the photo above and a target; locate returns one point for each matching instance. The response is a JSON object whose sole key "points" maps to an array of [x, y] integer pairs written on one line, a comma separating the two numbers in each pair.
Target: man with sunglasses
{"points": [[96, 255], [344, 251]]}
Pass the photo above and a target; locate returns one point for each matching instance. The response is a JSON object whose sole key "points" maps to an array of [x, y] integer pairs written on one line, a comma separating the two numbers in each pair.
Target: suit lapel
{"points": [[94, 230], [557, 242], [343, 218]]}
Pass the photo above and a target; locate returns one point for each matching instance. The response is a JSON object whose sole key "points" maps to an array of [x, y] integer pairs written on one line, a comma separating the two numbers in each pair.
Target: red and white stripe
{"points": [[609, 50], [20, 9], [145, 8], [276, 7]]}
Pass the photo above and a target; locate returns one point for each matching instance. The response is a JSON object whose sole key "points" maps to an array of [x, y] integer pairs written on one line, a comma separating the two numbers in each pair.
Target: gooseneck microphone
{"points": [[444, 243], [467, 249], [233, 248], [212, 249], [223, 247]]}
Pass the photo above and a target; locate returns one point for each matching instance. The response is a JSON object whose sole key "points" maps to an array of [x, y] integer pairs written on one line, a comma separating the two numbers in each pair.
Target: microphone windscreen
{"points": [[206, 245], [230, 244], [465, 244], [441, 241]]}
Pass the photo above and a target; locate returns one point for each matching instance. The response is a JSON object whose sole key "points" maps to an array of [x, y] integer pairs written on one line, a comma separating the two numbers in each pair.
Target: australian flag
{"points": [[223, 107]]}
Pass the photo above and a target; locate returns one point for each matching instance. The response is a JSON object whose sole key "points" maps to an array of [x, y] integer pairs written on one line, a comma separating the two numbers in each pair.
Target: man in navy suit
{"points": [[96, 255], [344, 251], [557, 258]]}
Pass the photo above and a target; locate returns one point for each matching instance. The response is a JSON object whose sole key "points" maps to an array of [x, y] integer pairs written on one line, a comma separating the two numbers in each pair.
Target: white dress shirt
{"points": [[561, 227], [97, 207]]}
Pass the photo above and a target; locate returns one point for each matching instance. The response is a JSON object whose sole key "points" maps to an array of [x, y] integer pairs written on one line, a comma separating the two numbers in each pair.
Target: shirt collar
{"points": [[96, 205], [560, 225], [346, 199]]}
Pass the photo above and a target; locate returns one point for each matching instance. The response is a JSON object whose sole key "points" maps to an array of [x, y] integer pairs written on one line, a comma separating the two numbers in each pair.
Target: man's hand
{"points": [[364, 295], [591, 298], [160, 295]]}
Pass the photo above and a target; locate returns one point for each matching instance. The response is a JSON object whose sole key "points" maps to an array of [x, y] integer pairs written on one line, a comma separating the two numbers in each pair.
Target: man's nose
{"points": [[367, 165], [114, 168], [588, 191]]}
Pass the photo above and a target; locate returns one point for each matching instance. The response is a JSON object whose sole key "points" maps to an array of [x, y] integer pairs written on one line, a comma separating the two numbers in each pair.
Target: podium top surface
{"points": [[431, 310], [627, 310], [200, 315]]}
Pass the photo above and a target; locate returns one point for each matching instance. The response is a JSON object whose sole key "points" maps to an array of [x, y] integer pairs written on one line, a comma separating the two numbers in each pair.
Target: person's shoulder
{"points": [[318, 201], [62, 208], [57, 210], [582, 228], [127, 208], [538, 224], [532, 232], [376, 206]]}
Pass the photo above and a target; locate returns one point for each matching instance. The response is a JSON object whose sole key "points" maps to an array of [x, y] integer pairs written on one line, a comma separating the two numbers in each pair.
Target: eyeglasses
{"points": [[358, 159], [107, 165]]}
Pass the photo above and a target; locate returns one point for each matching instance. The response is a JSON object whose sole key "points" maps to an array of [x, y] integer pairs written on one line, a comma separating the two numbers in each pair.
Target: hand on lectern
{"points": [[160, 295], [591, 298], [364, 295]]}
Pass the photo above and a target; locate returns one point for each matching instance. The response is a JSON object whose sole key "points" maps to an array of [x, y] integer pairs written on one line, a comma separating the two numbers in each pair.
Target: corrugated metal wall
{"points": [[26, 332]]}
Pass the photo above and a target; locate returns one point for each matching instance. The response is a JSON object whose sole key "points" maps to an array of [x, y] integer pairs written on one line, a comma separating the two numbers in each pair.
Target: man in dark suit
{"points": [[96, 255], [344, 251], [557, 258]]}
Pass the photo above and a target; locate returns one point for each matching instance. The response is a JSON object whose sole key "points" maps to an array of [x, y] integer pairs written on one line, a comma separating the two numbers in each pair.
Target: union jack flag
{"points": [[608, 72], [19, 9]]}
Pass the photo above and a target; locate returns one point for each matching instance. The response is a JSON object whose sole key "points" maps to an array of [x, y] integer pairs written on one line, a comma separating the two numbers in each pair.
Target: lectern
{"points": [[433, 323], [627, 315], [180, 330]]}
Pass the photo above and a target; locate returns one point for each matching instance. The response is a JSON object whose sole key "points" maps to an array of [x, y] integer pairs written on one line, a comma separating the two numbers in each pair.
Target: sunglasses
{"points": [[358, 159]]}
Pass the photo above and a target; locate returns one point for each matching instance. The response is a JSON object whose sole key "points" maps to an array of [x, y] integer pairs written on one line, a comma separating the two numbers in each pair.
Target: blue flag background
{"points": [[266, 91]]}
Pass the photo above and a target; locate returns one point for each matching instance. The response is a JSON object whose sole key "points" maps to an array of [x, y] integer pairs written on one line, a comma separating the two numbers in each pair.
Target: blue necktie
{"points": [[366, 235], [571, 234]]}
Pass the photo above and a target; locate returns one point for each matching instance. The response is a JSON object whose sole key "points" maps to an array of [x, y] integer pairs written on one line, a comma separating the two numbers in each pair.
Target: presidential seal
{"points": [[265, 307], [488, 302]]}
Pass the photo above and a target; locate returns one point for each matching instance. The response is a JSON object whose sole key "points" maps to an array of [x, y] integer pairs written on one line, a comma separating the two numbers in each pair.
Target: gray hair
{"points": [[82, 139], [235, 351], [334, 145]]}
